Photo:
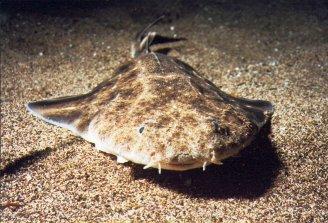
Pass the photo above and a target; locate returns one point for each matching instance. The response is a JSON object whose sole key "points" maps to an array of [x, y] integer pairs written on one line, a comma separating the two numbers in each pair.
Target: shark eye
{"points": [[141, 129]]}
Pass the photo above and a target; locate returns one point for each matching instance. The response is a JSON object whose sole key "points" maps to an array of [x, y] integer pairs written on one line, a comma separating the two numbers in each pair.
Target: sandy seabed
{"points": [[277, 51]]}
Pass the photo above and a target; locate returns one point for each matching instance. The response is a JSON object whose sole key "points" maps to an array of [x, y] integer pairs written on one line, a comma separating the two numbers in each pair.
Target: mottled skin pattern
{"points": [[157, 111]]}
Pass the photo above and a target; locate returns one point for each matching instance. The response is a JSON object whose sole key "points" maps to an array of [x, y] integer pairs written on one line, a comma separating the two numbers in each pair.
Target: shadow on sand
{"points": [[33, 157], [249, 175]]}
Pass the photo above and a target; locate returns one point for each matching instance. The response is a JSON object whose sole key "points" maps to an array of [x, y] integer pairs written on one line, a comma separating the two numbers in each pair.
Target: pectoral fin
{"points": [[67, 112], [258, 111]]}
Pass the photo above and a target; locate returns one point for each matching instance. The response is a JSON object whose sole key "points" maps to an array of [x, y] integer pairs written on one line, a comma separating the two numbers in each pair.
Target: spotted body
{"points": [[159, 112]]}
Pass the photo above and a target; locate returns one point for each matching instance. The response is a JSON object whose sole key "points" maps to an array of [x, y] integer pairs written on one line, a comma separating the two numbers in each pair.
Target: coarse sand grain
{"points": [[271, 50]]}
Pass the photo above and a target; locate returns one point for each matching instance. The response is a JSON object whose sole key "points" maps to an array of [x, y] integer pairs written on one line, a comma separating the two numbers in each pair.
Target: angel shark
{"points": [[157, 111]]}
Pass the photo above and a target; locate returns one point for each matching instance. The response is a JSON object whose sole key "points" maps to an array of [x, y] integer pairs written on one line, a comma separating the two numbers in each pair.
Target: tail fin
{"points": [[145, 40], [65, 112], [140, 35]]}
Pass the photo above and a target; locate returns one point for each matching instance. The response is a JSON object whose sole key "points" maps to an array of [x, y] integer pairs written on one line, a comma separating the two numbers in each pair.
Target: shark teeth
{"points": [[121, 159], [204, 165], [154, 164], [151, 164], [159, 168]]}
